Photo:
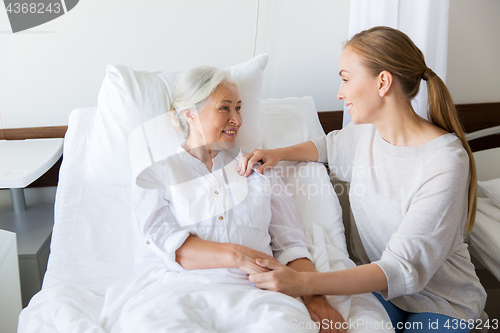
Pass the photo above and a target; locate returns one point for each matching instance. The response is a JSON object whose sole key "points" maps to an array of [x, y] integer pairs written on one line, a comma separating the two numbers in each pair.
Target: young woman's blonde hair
{"points": [[388, 49], [192, 89]]}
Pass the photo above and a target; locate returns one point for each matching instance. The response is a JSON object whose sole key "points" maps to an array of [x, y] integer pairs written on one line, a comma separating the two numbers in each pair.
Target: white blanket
{"points": [[168, 301], [223, 300], [215, 300]]}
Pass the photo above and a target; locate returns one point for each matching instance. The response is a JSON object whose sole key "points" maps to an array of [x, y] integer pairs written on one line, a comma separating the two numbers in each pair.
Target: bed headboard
{"points": [[476, 117], [473, 116]]}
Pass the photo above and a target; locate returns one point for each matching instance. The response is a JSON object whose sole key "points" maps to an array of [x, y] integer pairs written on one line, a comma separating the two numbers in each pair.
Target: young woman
{"points": [[412, 190]]}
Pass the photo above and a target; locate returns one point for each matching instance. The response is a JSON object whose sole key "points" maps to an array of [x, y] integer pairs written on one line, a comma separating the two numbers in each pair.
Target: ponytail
{"points": [[442, 113]]}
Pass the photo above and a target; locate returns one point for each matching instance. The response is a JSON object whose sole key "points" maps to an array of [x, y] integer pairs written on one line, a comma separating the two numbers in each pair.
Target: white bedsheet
{"points": [[485, 237], [488, 208], [73, 287], [92, 249]]}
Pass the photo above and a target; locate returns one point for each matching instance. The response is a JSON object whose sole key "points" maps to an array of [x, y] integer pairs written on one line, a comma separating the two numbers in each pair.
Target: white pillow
{"points": [[492, 189], [152, 141], [293, 120], [289, 121], [129, 98]]}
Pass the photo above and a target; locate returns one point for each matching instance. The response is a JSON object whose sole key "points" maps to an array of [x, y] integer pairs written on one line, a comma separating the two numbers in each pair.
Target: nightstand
{"points": [[24, 161]]}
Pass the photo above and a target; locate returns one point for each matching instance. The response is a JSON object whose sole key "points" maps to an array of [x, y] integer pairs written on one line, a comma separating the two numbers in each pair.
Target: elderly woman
{"points": [[202, 227]]}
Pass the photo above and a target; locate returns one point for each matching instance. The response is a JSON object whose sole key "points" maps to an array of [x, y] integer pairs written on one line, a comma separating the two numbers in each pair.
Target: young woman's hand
{"points": [[288, 281], [270, 157], [281, 278], [244, 258]]}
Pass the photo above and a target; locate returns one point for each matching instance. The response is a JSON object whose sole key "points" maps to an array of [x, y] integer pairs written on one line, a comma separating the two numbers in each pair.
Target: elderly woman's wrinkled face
{"points": [[220, 117]]}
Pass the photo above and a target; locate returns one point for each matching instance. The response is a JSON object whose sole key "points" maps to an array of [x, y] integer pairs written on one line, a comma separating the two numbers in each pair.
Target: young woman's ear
{"points": [[385, 80]]}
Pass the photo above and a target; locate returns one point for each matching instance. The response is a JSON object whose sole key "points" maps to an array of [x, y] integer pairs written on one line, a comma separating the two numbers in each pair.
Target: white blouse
{"points": [[178, 196]]}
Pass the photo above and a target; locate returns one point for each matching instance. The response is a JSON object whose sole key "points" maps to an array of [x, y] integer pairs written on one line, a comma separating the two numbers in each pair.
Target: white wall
{"points": [[51, 69], [474, 51], [56, 67], [304, 41]]}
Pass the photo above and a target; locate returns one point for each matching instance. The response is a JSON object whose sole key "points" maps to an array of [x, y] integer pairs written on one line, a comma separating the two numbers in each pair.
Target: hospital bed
{"points": [[485, 237], [93, 240]]}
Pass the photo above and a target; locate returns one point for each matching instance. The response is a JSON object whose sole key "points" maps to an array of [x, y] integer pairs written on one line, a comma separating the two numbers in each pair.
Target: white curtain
{"points": [[424, 21]]}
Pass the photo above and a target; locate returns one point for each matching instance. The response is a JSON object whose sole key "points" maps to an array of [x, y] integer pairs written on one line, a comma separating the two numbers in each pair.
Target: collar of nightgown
{"points": [[223, 158]]}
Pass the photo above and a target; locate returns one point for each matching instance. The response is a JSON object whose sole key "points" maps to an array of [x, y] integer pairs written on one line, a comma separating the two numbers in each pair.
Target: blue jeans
{"points": [[410, 322]]}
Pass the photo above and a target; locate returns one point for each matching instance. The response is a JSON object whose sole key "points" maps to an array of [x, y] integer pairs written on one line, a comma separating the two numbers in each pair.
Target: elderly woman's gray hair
{"points": [[192, 89]]}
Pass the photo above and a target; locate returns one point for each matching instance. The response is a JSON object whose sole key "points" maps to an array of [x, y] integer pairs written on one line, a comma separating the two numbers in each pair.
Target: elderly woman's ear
{"points": [[189, 114]]}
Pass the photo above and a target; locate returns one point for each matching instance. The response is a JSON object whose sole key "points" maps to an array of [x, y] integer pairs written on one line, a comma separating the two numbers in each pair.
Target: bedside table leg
{"points": [[18, 201]]}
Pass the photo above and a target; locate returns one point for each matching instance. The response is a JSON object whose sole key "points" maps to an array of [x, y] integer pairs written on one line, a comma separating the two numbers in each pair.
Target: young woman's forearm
{"points": [[356, 280], [305, 151]]}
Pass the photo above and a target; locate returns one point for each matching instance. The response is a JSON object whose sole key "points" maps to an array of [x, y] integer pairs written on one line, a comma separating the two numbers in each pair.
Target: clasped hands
{"points": [[267, 273]]}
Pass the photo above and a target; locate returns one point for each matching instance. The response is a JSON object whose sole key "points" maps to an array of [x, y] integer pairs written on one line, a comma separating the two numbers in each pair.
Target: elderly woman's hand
{"points": [[244, 258], [321, 312], [270, 157]]}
